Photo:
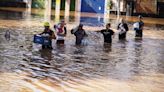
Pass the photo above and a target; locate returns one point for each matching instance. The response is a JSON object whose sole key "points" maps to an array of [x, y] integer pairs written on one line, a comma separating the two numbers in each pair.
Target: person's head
{"points": [[140, 17], [80, 26], [108, 26], [46, 25], [122, 20], [62, 23]]}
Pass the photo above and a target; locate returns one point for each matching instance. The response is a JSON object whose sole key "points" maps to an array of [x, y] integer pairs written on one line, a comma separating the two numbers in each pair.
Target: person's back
{"points": [[79, 33]]}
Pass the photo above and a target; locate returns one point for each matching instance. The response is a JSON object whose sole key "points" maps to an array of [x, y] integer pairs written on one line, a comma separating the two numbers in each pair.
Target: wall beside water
{"points": [[93, 6], [12, 3], [146, 6]]}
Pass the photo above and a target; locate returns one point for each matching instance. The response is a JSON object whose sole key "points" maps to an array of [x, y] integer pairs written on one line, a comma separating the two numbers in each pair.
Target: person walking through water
{"points": [[61, 32], [138, 27], [122, 28], [80, 33], [107, 33], [48, 33]]}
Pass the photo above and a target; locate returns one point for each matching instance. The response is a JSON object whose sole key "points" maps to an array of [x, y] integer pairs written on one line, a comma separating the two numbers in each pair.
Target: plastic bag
{"points": [[136, 25], [84, 41]]}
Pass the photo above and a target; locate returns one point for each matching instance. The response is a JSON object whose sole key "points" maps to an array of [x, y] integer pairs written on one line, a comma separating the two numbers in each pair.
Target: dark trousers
{"points": [[108, 41], [47, 46], [122, 36], [60, 42], [138, 33]]}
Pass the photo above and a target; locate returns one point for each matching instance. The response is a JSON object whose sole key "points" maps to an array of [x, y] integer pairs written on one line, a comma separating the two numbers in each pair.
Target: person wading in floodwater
{"points": [[107, 33], [138, 27], [80, 33], [48, 33], [122, 28], [61, 32]]}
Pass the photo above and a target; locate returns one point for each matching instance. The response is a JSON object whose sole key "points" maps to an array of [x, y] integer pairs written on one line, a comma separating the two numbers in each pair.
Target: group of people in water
{"points": [[80, 33]]}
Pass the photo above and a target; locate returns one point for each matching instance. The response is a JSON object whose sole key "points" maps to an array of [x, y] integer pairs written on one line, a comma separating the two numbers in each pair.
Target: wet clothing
{"points": [[48, 33], [80, 34], [107, 33], [139, 30], [61, 32], [123, 28], [60, 42]]}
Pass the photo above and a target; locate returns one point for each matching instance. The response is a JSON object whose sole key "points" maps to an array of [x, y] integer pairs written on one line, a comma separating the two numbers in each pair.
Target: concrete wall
{"points": [[12, 3], [92, 6], [146, 6], [160, 0]]}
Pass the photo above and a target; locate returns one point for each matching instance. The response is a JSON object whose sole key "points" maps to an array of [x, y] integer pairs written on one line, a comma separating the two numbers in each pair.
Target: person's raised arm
{"points": [[99, 31]]}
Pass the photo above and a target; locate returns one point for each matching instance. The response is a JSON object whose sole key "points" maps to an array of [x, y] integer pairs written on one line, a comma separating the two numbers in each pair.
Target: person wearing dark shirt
{"points": [[80, 33], [48, 33], [107, 33], [122, 28], [139, 27]]}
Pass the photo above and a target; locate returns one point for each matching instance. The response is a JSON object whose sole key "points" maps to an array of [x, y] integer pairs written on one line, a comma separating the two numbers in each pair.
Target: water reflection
{"points": [[138, 54], [46, 54], [60, 48]]}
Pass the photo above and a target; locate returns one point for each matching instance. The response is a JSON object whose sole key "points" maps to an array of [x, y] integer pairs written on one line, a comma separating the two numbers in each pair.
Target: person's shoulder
{"points": [[51, 30], [111, 30], [141, 22], [102, 31], [125, 23]]}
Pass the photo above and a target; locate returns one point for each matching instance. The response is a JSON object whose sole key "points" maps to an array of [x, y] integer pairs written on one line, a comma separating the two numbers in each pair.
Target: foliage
{"points": [[38, 4]]}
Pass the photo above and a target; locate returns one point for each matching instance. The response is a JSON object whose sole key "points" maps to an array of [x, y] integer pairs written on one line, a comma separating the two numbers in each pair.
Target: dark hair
{"points": [[109, 24], [80, 25], [140, 16]]}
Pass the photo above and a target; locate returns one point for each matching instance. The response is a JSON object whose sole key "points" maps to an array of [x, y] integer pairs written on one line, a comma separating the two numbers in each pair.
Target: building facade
{"points": [[126, 7]]}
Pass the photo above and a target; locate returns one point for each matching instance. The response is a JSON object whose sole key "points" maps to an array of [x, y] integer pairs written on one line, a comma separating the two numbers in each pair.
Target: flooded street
{"points": [[130, 66]]}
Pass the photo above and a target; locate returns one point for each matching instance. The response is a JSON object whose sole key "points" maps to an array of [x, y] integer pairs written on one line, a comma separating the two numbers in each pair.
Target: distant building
{"points": [[153, 8], [144, 7]]}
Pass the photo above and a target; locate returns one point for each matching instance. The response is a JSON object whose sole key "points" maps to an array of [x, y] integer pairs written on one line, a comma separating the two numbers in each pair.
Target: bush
{"points": [[38, 4]]}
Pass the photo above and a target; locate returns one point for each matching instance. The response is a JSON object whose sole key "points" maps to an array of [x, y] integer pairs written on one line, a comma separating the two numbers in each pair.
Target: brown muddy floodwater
{"points": [[130, 66]]}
